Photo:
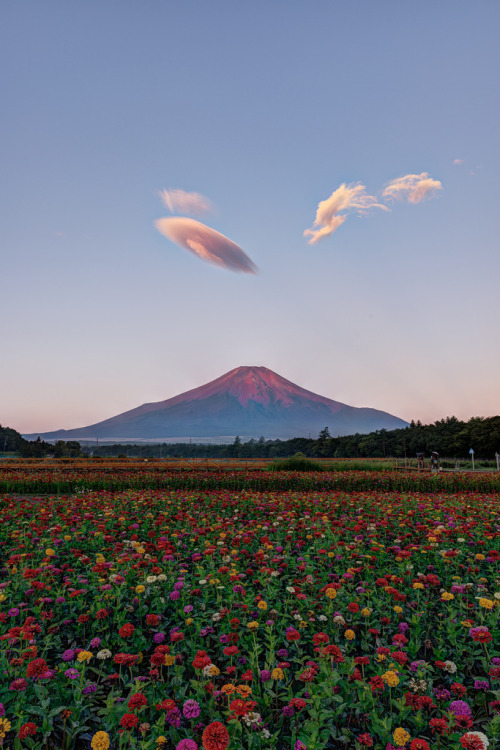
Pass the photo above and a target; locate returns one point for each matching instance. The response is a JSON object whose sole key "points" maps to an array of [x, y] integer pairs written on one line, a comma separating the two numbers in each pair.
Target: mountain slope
{"points": [[248, 401]]}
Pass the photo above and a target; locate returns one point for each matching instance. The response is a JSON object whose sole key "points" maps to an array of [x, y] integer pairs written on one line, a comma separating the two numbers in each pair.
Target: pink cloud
{"points": [[180, 201], [333, 211], [412, 187], [206, 243]]}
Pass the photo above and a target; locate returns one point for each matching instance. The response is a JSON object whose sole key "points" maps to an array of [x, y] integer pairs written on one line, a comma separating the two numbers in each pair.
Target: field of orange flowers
{"points": [[289, 617]]}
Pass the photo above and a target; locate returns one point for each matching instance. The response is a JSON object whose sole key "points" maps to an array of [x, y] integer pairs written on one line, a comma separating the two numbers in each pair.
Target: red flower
{"points": [[128, 721], [127, 630], [137, 701], [419, 744], [365, 739], [152, 620], [215, 736], [353, 607], [471, 741], [37, 668], [439, 725], [27, 730]]}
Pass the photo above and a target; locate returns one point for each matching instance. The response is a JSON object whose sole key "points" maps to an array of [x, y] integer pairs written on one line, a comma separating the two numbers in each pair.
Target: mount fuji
{"points": [[247, 401]]}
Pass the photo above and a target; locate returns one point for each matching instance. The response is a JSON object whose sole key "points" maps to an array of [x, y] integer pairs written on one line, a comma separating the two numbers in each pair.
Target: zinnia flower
{"points": [[401, 736], [215, 736], [100, 741]]}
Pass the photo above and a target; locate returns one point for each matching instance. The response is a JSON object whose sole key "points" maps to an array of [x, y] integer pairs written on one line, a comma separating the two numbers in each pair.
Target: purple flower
{"points": [[187, 609], [459, 708], [90, 688], [481, 685], [13, 612], [441, 693], [68, 655], [186, 745], [2, 709], [72, 674], [159, 637], [282, 653], [174, 718], [174, 595], [19, 685], [265, 675], [191, 709], [288, 711], [299, 745], [95, 643]]}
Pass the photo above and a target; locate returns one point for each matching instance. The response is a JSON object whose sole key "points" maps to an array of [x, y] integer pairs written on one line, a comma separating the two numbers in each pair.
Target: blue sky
{"points": [[265, 109]]}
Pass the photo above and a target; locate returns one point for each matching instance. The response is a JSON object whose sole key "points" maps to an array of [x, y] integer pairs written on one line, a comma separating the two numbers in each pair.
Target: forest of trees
{"points": [[450, 437]]}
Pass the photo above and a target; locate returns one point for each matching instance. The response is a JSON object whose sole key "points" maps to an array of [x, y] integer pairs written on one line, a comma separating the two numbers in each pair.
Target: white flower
{"points": [[162, 577], [203, 581], [151, 579], [252, 717], [104, 654], [215, 617], [450, 667], [322, 618], [266, 733], [339, 620], [290, 589]]}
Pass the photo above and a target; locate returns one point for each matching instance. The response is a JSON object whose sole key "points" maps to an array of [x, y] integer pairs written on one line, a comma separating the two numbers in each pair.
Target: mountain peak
{"points": [[246, 401]]}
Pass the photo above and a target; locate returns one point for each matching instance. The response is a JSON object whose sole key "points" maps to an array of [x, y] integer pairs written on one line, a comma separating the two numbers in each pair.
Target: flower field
{"points": [[245, 615]]}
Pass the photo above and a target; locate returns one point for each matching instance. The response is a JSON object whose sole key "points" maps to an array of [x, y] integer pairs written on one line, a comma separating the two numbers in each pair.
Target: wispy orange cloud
{"points": [[180, 201], [206, 243], [412, 187], [333, 211]]}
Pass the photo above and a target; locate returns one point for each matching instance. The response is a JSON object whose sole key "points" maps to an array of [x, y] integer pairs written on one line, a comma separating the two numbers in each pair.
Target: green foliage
{"points": [[298, 462]]}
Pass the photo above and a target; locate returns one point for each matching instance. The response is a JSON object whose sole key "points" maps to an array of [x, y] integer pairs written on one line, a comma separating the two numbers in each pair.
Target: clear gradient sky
{"points": [[264, 108]]}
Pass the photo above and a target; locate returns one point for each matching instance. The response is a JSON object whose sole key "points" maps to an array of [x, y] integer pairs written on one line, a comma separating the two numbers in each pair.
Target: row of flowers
{"points": [[246, 619]]}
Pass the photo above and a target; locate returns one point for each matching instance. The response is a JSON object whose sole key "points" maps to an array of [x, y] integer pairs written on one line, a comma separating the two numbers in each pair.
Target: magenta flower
{"points": [[191, 709]]}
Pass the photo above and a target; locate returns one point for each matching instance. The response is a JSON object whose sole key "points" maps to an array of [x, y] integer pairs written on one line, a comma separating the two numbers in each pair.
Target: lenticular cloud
{"points": [[412, 187], [181, 201], [206, 243]]}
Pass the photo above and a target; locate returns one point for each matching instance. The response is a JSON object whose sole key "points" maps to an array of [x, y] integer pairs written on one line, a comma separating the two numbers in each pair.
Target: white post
{"points": [[497, 456], [472, 457]]}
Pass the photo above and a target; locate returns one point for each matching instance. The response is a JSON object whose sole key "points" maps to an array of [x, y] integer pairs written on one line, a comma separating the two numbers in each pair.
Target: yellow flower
{"points": [[169, 660], [331, 593], [213, 670], [252, 625], [398, 609], [401, 736], [140, 589], [350, 635], [486, 603], [189, 621], [84, 656], [67, 537], [262, 604], [161, 740], [50, 552], [5, 726], [479, 556], [100, 741], [418, 586], [277, 674], [447, 596], [228, 689], [391, 678], [2, 597], [365, 612]]}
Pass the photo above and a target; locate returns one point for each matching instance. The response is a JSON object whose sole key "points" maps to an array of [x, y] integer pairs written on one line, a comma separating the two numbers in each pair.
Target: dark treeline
{"points": [[450, 437], [11, 442]]}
